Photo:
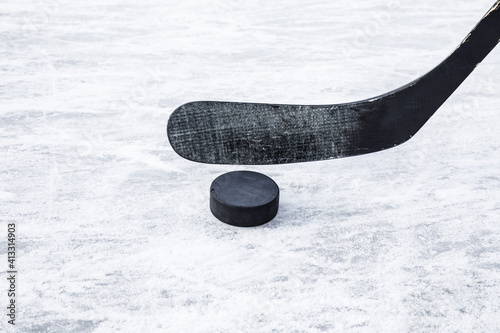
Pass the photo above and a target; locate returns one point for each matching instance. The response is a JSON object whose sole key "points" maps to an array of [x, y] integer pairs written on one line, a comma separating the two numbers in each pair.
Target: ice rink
{"points": [[113, 228]]}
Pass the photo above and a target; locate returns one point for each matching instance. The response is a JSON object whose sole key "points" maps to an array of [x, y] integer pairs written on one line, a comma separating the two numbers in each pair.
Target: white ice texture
{"points": [[114, 229]]}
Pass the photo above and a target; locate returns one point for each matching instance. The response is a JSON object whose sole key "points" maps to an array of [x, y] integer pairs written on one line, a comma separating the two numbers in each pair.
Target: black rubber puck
{"points": [[244, 198]]}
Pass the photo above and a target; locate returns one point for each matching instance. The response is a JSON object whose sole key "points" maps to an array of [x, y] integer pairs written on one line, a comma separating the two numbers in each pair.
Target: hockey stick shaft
{"points": [[253, 133]]}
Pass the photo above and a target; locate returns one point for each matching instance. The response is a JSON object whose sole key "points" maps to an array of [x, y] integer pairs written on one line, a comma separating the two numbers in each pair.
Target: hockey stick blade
{"points": [[256, 134]]}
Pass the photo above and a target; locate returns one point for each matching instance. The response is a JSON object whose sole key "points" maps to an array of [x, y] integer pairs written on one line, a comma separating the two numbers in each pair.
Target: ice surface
{"points": [[114, 229]]}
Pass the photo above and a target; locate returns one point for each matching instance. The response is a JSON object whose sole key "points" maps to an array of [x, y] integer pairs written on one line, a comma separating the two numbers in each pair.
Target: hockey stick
{"points": [[251, 133]]}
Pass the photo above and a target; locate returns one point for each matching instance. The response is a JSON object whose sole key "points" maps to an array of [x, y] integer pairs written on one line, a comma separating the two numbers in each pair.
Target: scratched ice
{"points": [[114, 228]]}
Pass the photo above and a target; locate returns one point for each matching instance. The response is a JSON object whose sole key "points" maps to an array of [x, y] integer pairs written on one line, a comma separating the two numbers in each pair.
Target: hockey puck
{"points": [[244, 198]]}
